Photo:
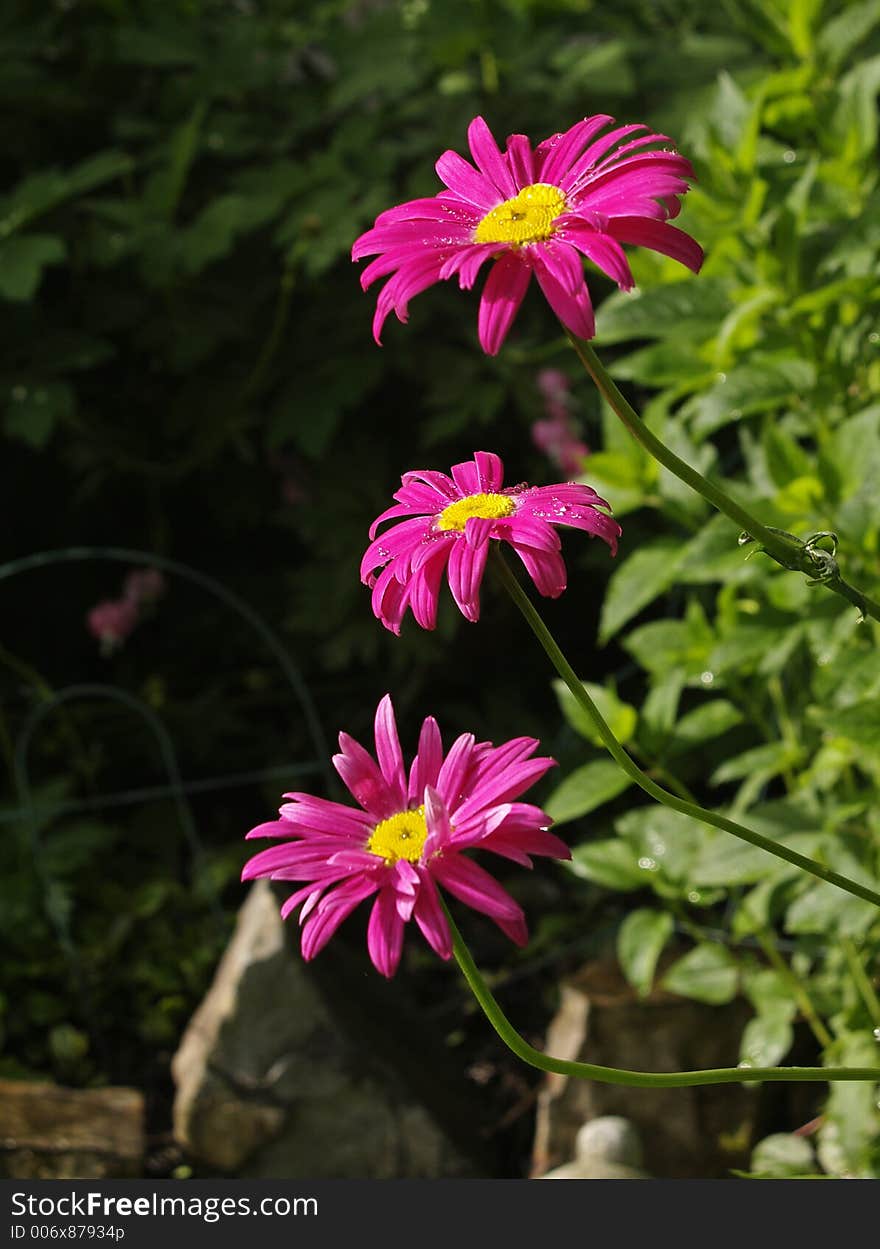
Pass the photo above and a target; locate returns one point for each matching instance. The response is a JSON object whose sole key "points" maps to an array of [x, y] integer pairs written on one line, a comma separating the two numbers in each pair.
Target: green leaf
{"points": [[786, 459], [725, 860], [601, 67], [783, 1155], [680, 310], [826, 909], [667, 363], [587, 788], [860, 722], [715, 555], [68, 848], [766, 1040], [758, 907], [67, 1044], [751, 388], [854, 122], [665, 842], [620, 479], [22, 261], [731, 111], [32, 412], [215, 230], [667, 646], [648, 572], [44, 191], [703, 724], [769, 993], [852, 1117], [846, 30], [640, 943], [767, 761], [611, 863], [620, 717], [707, 973]]}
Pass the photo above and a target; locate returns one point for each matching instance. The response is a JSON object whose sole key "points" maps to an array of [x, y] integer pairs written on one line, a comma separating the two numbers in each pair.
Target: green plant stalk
{"points": [[655, 791], [786, 550], [799, 992], [862, 980], [617, 1075]]}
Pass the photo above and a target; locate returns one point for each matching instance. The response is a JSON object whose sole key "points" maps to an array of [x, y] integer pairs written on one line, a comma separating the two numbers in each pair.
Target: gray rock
{"points": [[686, 1132], [607, 1148], [277, 1077]]}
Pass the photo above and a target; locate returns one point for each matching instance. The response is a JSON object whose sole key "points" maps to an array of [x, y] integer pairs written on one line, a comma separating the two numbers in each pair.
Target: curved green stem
{"points": [[655, 791], [633, 1079], [787, 550]]}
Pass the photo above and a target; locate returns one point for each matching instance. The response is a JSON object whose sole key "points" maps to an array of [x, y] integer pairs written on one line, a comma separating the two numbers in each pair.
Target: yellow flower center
{"points": [[401, 836], [527, 218], [489, 506]]}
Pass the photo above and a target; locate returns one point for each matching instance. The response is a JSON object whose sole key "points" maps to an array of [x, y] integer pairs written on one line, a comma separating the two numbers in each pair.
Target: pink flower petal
{"points": [[389, 754], [427, 763], [467, 262], [389, 599], [437, 819], [660, 237], [428, 914], [521, 160], [363, 779], [468, 882], [546, 569], [385, 934], [466, 566], [330, 912], [604, 251], [502, 295], [466, 182], [588, 160], [451, 778], [574, 309], [424, 589], [489, 160], [559, 152]]}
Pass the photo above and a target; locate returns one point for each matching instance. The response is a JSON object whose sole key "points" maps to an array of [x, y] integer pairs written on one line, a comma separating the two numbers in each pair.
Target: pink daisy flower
{"points": [[581, 193], [447, 525], [409, 834]]}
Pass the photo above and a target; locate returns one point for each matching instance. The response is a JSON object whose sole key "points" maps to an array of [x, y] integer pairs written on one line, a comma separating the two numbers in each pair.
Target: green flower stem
{"points": [[862, 979], [788, 551], [799, 992], [633, 1079], [565, 670]]}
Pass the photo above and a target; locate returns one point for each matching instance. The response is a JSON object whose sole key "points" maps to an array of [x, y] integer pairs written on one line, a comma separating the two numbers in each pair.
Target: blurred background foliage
{"points": [[187, 369]]}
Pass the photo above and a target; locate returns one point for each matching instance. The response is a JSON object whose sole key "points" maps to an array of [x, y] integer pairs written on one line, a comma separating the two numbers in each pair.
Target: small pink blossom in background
{"points": [[561, 445], [555, 389], [446, 523], [557, 435], [530, 211], [143, 585], [409, 834], [111, 622]]}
